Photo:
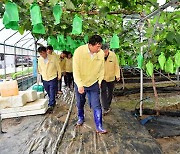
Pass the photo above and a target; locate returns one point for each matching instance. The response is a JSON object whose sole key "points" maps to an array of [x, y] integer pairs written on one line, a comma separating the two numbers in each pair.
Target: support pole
{"points": [[1, 131], [35, 55], [178, 84], [22, 68], [15, 45], [0, 125], [5, 53], [35, 43], [166, 77], [160, 9], [2, 29], [141, 72], [28, 56], [0, 112], [26, 42]]}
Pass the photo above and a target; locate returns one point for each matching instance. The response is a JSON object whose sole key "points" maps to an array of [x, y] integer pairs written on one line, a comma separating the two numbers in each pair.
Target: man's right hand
{"points": [[81, 90]]}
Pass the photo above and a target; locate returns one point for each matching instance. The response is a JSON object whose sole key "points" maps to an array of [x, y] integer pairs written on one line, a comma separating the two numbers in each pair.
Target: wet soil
{"points": [[125, 135], [170, 145], [39, 134], [166, 133], [34, 134]]}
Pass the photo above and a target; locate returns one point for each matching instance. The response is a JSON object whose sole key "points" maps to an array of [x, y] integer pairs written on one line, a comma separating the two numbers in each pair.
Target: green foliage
{"points": [[118, 59], [123, 62], [169, 67], [170, 36], [177, 59], [104, 11], [53, 2], [100, 23], [69, 5], [1, 8], [149, 68], [162, 60], [165, 42], [86, 39], [99, 17], [21, 73], [21, 29]]}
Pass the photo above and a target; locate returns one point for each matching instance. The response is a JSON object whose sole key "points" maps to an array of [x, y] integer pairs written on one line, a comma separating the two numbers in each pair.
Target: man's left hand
{"points": [[118, 79]]}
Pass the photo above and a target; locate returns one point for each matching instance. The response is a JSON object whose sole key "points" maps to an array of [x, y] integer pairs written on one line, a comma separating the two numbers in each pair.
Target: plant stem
{"points": [[155, 95]]}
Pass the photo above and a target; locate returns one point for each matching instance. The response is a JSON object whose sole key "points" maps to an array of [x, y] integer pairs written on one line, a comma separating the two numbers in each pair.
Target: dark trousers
{"points": [[93, 93], [60, 84], [65, 79], [51, 89], [106, 93], [70, 80]]}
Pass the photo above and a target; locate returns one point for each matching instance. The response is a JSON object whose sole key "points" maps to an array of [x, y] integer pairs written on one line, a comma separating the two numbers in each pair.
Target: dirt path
{"points": [[169, 100], [125, 135], [34, 134], [170, 145], [38, 134]]}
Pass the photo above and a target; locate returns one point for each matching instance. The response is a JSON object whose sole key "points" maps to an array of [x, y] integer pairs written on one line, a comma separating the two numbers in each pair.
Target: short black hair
{"points": [[69, 53], [95, 39], [65, 52], [105, 46], [41, 49], [49, 47]]}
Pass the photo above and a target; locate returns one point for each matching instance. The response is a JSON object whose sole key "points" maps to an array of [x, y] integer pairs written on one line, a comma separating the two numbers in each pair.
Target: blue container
{"points": [[38, 88]]}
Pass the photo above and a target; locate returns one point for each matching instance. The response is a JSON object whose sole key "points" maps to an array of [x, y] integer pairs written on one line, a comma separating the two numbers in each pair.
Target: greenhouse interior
{"points": [[84, 76]]}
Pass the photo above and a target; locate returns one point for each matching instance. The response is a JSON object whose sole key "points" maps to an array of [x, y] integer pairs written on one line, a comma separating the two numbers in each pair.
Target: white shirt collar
{"points": [[46, 60], [91, 54]]}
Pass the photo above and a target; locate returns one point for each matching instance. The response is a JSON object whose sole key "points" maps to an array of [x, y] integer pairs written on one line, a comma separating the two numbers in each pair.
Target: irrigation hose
{"points": [[59, 139]]}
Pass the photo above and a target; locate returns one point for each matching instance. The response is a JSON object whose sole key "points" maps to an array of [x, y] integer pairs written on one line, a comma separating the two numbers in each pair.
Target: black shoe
{"points": [[54, 104], [60, 92], [105, 112], [50, 109]]}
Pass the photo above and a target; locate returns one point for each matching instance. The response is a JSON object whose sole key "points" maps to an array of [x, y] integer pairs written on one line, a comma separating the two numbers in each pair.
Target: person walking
{"points": [[88, 72], [62, 62], [112, 72], [50, 51], [69, 70], [50, 70]]}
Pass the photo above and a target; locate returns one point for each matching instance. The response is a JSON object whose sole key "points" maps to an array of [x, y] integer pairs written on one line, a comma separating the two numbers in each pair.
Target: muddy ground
{"points": [[39, 134], [42, 134], [169, 101]]}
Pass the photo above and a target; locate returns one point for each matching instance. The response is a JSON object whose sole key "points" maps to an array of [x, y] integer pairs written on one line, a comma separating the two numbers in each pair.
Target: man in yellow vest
{"points": [[88, 72], [50, 51], [50, 70], [111, 72]]}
